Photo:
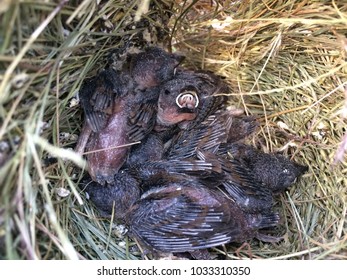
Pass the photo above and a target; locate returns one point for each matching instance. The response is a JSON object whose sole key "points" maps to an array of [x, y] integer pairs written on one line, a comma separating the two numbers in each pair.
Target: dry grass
{"points": [[284, 60]]}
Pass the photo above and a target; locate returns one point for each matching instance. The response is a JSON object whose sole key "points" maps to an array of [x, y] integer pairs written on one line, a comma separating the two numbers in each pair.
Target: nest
{"points": [[285, 62]]}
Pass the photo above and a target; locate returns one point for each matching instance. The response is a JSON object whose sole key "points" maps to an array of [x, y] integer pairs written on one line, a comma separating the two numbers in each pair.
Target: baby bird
{"points": [[120, 108], [179, 215], [189, 98], [275, 171], [130, 118], [185, 216]]}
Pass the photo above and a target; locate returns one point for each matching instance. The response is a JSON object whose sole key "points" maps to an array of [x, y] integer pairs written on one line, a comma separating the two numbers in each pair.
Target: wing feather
{"points": [[183, 222]]}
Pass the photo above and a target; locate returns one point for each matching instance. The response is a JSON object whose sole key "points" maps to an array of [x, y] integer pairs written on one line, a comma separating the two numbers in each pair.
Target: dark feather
{"points": [[97, 96], [186, 216], [205, 137], [141, 118]]}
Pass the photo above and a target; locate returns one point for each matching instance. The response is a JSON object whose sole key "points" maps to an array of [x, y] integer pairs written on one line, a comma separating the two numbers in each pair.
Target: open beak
{"points": [[187, 99]]}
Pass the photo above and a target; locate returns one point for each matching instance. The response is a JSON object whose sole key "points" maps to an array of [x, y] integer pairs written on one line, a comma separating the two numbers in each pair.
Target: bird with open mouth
{"points": [[188, 98]]}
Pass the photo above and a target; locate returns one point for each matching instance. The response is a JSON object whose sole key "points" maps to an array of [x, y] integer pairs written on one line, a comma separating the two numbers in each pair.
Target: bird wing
{"points": [[168, 170], [247, 192], [97, 96], [205, 137], [142, 117], [171, 220]]}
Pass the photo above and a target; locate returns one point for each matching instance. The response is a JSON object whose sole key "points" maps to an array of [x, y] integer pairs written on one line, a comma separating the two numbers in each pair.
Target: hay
{"points": [[284, 60]]}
